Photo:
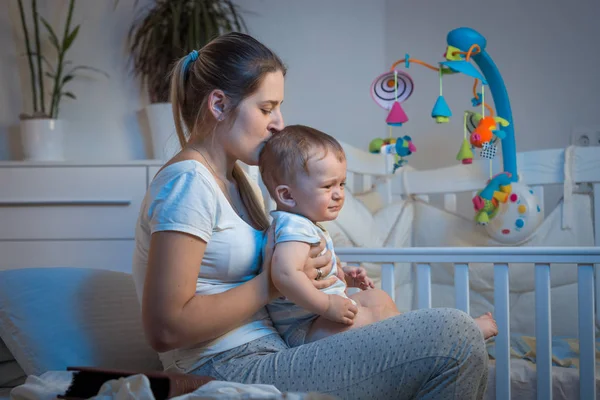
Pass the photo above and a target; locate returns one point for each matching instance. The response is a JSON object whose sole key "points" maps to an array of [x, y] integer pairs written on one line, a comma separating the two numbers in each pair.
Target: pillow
{"points": [[358, 223], [51, 318], [372, 200], [338, 236]]}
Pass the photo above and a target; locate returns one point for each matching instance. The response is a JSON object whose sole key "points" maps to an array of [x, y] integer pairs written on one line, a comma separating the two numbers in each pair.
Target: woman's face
{"points": [[259, 117]]}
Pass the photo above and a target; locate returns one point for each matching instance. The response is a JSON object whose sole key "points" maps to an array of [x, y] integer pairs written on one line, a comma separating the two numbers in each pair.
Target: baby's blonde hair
{"points": [[287, 153]]}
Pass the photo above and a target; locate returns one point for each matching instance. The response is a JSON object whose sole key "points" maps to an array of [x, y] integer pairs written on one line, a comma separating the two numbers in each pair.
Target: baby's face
{"points": [[319, 196]]}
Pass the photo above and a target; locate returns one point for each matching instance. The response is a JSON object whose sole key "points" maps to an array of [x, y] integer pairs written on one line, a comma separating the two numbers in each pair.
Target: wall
{"points": [[331, 65], [334, 49]]}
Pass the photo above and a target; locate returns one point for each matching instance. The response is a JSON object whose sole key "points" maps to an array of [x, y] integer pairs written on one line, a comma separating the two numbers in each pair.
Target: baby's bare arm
{"points": [[287, 270]]}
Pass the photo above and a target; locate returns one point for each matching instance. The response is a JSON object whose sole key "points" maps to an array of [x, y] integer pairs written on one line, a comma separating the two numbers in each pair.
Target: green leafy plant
{"points": [[170, 29], [40, 68]]}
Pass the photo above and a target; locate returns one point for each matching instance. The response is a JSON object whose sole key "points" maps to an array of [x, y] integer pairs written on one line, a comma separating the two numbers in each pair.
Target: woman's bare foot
{"points": [[487, 324]]}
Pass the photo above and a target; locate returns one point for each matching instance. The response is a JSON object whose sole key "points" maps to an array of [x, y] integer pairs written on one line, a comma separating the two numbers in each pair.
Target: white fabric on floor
{"points": [[52, 383]]}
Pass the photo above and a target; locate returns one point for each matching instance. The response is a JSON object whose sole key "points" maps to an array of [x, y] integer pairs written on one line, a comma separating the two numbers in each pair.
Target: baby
{"points": [[304, 171]]}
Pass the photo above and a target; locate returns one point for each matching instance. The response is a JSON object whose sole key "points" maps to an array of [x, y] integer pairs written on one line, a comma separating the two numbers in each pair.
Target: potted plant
{"points": [[42, 130], [163, 33]]}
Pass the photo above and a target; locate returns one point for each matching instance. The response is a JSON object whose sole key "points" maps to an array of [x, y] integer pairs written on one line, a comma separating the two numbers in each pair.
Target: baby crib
{"points": [[575, 165]]}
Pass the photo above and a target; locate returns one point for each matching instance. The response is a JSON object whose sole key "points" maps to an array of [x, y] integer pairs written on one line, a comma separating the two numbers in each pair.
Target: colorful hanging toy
{"points": [[389, 90], [506, 207]]}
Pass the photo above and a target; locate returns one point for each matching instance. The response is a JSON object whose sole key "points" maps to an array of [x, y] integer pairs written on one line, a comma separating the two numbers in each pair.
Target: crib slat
{"points": [[543, 332], [596, 196], [585, 308], [387, 280], [450, 202], [502, 310], [423, 286], [461, 286]]}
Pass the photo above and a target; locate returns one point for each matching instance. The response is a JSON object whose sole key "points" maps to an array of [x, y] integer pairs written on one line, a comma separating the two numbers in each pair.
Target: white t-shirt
{"points": [[185, 197]]}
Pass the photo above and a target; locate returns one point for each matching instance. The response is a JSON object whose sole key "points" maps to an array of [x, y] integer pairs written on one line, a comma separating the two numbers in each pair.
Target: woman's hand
{"points": [[323, 263]]}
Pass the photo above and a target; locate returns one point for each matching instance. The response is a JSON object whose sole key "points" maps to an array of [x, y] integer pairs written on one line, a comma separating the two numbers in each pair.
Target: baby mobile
{"points": [[520, 213], [389, 90]]}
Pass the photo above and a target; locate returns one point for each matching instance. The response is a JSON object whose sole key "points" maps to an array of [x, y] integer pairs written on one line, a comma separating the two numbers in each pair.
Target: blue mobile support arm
{"points": [[463, 39]]}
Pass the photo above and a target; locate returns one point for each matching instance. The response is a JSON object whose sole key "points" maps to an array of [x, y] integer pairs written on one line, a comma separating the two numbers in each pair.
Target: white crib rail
{"points": [[541, 257]]}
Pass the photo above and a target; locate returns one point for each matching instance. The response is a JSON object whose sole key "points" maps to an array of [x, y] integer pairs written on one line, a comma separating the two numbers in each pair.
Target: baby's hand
{"points": [[357, 277], [341, 309]]}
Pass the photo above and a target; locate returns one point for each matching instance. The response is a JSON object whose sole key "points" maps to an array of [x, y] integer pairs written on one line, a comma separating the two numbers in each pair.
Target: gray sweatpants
{"points": [[427, 354]]}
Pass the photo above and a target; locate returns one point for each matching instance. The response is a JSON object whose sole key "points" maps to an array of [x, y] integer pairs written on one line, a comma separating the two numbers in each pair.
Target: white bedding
{"points": [[52, 383]]}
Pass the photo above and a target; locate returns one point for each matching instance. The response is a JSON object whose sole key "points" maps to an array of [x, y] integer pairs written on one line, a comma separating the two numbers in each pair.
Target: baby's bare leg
{"points": [[375, 305], [378, 301]]}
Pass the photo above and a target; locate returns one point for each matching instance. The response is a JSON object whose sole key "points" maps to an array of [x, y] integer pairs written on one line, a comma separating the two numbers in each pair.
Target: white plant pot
{"points": [[165, 143], [43, 139]]}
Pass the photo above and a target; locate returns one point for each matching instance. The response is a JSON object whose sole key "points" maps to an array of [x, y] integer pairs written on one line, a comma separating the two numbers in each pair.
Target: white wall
{"points": [[331, 64], [102, 122], [548, 57]]}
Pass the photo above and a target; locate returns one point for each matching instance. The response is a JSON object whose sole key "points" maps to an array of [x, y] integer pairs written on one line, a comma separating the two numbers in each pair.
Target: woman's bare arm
{"points": [[173, 315]]}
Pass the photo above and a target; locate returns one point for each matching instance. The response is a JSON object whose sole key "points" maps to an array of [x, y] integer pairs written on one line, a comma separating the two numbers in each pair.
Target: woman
{"points": [[203, 285]]}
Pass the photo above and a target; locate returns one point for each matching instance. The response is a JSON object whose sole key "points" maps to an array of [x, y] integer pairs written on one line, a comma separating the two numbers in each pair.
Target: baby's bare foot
{"points": [[487, 324]]}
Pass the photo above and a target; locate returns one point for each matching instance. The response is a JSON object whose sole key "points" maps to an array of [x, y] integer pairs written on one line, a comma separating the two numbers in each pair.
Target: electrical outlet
{"points": [[585, 137]]}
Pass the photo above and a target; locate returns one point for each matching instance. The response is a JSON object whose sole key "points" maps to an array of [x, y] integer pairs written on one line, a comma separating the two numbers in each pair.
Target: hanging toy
{"points": [[465, 154], [487, 200], [486, 130], [483, 133], [389, 90], [488, 149], [376, 145], [472, 120], [441, 112], [402, 148], [397, 116], [392, 87]]}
